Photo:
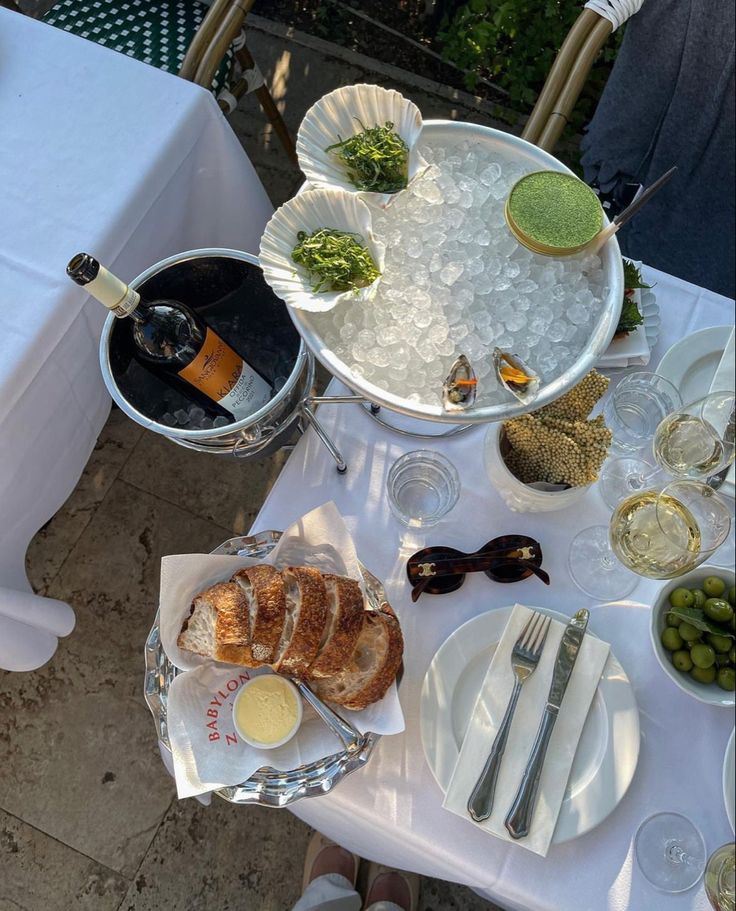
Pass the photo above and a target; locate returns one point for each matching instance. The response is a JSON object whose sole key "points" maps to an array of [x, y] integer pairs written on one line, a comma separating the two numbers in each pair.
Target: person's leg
{"points": [[330, 873], [330, 892]]}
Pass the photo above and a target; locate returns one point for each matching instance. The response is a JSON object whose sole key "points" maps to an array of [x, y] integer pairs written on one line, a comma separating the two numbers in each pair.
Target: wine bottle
{"points": [[177, 342]]}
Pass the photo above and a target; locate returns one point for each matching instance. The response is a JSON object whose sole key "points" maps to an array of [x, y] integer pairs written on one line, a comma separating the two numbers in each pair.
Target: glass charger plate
{"points": [[267, 787]]}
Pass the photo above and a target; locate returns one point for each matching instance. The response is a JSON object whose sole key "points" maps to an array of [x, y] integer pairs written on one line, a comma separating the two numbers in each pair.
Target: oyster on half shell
{"points": [[459, 388], [515, 376]]}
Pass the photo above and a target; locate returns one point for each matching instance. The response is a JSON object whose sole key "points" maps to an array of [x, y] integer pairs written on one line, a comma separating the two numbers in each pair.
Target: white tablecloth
{"points": [[105, 154], [391, 810]]}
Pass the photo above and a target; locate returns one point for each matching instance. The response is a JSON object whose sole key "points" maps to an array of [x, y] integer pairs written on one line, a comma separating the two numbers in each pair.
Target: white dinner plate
{"points": [[608, 750], [729, 780], [691, 363]]}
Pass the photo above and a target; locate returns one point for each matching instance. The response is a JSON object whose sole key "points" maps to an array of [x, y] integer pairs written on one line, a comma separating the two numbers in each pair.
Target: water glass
{"points": [[423, 487], [635, 408]]}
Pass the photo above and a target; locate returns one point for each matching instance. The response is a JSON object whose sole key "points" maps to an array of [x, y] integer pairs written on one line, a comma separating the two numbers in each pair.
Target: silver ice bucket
{"points": [[215, 282]]}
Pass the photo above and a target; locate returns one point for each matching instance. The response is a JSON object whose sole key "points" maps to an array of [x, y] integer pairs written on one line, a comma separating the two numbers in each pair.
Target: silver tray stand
{"points": [[267, 787]]}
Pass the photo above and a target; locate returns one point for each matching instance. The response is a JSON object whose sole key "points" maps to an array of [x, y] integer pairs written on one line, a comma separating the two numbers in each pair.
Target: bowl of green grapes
{"points": [[693, 630]]}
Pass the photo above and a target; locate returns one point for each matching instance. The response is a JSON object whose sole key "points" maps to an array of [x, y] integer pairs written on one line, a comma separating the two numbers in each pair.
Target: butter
{"points": [[267, 711]]}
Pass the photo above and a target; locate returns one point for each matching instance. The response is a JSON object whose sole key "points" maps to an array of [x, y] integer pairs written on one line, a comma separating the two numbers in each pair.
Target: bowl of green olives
{"points": [[693, 631]]}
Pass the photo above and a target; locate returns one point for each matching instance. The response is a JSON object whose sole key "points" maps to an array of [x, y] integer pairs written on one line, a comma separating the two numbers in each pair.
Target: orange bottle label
{"points": [[223, 376]]}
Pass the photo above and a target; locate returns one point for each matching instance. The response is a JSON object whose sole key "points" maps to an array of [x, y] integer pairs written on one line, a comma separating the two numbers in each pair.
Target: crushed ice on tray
{"points": [[457, 282]]}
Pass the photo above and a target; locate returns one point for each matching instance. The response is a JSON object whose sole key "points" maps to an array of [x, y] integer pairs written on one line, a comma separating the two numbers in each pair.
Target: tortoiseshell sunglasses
{"points": [[509, 558]]}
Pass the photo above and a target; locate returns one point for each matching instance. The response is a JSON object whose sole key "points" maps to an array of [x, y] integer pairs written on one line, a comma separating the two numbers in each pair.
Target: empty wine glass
{"points": [[623, 476], [670, 852], [697, 440]]}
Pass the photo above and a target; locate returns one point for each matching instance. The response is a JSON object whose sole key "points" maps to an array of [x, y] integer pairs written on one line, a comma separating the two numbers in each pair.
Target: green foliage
{"points": [[513, 44]]}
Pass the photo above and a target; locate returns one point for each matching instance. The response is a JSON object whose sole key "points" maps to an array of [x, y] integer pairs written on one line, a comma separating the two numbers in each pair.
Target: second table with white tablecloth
{"points": [[391, 811], [106, 154]]}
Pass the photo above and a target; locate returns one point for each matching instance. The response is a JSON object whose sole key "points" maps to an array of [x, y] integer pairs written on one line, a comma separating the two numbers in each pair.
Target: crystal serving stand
{"points": [[267, 786]]}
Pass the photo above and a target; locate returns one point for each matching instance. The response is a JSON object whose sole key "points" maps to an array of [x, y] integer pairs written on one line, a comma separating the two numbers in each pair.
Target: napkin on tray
{"points": [[206, 751], [489, 710], [723, 381], [633, 349]]}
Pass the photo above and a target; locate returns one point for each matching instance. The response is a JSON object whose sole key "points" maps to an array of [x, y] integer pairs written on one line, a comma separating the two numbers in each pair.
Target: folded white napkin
{"points": [[724, 381], [489, 710], [206, 751]]}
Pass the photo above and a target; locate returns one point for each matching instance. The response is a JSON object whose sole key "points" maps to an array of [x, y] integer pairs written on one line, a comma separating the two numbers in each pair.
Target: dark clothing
{"points": [[670, 100]]}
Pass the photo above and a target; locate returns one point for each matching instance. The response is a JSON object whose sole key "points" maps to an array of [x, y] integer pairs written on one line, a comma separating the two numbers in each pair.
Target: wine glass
{"points": [[664, 533], [660, 533], [720, 878], [697, 441], [670, 852]]}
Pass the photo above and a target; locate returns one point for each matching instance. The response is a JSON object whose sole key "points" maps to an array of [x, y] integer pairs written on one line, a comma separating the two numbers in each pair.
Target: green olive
{"points": [[721, 644], [718, 609], [714, 587], [682, 597], [682, 660], [688, 632], [732, 596], [727, 679], [671, 639], [700, 597], [672, 619], [703, 655], [703, 674], [732, 655]]}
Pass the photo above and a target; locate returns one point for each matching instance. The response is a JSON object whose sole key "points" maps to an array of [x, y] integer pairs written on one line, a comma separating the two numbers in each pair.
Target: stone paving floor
{"points": [[88, 817]]}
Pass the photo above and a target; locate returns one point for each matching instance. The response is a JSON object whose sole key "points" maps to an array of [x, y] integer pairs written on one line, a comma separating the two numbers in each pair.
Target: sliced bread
{"points": [[264, 591], [344, 623], [217, 626], [372, 667], [306, 619]]}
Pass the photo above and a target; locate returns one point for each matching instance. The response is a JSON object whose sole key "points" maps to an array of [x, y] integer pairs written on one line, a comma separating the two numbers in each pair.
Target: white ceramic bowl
{"points": [[259, 745], [310, 211], [709, 693], [345, 112], [518, 496]]}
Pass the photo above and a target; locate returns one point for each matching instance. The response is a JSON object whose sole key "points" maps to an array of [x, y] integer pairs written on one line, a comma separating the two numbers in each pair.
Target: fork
{"points": [[524, 659]]}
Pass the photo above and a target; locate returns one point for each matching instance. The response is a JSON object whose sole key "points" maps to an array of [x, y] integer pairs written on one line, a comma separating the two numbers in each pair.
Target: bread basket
{"points": [[267, 787]]}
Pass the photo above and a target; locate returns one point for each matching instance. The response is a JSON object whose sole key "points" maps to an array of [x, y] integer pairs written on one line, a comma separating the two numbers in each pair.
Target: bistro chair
{"points": [[572, 65], [200, 41]]}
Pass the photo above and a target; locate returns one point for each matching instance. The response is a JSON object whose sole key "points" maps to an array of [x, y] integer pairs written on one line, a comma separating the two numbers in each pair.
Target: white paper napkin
{"points": [[206, 751], [489, 710], [724, 381], [208, 754]]}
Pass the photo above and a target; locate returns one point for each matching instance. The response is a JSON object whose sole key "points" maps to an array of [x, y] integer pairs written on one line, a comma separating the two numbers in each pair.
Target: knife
{"points": [[522, 809], [641, 199]]}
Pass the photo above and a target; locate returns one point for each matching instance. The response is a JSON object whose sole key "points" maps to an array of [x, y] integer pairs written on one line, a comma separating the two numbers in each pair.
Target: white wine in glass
{"points": [[720, 878], [697, 441], [655, 535], [663, 533]]}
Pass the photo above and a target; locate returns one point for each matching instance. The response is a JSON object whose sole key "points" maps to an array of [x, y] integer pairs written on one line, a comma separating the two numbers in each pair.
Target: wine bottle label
{"points": [[224, 376], [113, 293]]}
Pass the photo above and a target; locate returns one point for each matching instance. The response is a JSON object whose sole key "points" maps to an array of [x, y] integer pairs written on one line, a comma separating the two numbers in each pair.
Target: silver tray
{"points": [[267, 787], [308, 324]]}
